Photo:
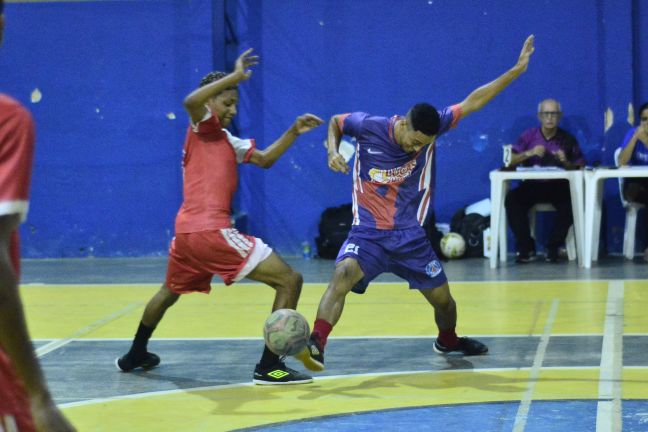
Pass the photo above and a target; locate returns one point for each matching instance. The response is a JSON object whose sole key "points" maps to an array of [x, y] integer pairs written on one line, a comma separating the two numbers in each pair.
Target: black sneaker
{"points": [[525, 257], [279, 374], [312, 356], [128, 362], [465, 345]]}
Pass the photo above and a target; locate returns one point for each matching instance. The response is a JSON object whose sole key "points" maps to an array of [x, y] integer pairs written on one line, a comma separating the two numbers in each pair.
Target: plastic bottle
{"points": [[307, 251]]}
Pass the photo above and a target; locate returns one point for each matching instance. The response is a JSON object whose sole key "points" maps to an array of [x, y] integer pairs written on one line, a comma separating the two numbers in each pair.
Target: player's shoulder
{"points": [[372, 121], [11, 108]]}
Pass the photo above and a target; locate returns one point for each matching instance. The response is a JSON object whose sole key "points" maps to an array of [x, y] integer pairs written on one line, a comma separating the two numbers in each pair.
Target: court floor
{"points": [[568, 351]]}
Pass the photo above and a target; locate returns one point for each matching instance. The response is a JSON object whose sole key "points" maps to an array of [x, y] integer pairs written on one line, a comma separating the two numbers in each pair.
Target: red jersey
{"points": [[210, 174], [15, 413], [16, 154]]}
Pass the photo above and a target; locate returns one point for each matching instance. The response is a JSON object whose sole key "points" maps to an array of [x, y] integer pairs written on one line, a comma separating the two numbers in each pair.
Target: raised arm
{"points": [[267, 157], [194, 103], [481, 96], [335, 160]]}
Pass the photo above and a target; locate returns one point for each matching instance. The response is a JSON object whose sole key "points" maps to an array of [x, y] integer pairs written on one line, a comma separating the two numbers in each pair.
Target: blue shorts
{"points": [[407, 253]]}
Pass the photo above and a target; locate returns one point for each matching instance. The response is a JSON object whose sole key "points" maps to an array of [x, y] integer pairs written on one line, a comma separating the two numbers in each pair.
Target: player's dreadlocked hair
{"points": [[214, 76], [425, 118]]}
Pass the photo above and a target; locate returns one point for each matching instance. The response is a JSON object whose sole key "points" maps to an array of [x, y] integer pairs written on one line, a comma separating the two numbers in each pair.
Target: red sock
{"points": [[448, 338], [321, 331]]}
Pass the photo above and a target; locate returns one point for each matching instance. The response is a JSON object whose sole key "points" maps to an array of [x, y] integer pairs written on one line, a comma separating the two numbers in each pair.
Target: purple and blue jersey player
{"points": [[393, 186], [392, 192]]}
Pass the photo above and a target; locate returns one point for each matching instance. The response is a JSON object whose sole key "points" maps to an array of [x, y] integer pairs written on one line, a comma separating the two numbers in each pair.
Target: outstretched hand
{"points": [[244, 62], [306, 122], [525, 54]]}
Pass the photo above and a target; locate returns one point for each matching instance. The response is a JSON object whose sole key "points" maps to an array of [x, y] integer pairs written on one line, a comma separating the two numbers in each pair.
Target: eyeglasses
{"points": [[549, 113], [644, 118]]}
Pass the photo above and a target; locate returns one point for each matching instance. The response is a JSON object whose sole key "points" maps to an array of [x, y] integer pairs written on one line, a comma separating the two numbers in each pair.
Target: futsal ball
{"points": [[286, 332], [453, 245]]}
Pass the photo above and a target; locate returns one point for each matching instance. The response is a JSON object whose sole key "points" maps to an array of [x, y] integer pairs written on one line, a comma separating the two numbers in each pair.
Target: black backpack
{"points": [[334, 228], [471, 227]]}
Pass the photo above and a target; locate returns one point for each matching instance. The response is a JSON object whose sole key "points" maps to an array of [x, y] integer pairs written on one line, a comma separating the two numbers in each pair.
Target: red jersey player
{"points": [[25, 402], [205, 243]]}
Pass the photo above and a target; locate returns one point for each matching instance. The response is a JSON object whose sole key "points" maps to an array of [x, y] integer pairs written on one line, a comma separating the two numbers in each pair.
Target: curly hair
{"points": [[425, 118], [214, 76]]}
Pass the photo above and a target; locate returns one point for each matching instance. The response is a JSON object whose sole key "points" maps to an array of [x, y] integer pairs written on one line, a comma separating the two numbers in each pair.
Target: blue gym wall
{"points": [[113, 74]]}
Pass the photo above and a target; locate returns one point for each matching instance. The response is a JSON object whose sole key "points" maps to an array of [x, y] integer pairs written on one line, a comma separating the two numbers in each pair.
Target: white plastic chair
{"points": [[570, 240], [632, 210]]}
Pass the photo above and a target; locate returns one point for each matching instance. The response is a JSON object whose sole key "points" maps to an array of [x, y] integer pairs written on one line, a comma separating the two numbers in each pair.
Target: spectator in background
{"points": [[634, 151], [546, 145]]}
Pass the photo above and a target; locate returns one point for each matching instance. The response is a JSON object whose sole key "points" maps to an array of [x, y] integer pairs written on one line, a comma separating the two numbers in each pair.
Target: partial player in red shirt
{"points": [[205, 243], [25, 402]]}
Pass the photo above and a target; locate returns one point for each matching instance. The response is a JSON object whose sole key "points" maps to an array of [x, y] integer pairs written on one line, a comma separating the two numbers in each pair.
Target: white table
{"points": [[499, 187], [593, 202]]}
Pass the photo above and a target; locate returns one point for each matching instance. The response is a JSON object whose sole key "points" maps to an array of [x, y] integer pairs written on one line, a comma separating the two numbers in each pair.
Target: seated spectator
{"points": [[635, 152], [546, 145]]}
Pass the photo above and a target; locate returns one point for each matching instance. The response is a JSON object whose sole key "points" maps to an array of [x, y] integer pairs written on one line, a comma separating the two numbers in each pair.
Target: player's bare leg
{"points": [[158, 305], [347, 274], [445, 316], [286, 282], [445, 308]]}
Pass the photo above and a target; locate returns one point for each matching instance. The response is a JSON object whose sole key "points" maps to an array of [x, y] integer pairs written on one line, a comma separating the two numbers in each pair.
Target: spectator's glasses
{"points": [[644, 118], [547, 114]]}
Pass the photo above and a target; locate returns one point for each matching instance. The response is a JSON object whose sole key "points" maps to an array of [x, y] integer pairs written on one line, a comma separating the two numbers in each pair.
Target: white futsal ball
{"points": [[453, 245], [286, 332]]}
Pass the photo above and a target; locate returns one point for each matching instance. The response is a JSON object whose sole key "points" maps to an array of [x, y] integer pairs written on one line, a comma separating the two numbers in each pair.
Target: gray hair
{"points": [[549, 100]]}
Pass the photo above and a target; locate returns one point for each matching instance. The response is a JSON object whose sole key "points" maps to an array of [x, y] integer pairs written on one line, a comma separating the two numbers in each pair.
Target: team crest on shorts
{"points": [[433, 268]]}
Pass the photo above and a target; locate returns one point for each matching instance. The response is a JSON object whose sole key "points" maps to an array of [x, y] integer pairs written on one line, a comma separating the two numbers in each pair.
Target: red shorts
{"points": [[15, 412], [194, 258]]}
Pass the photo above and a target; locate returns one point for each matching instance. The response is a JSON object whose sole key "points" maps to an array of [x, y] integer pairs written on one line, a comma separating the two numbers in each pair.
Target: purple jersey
{"points": [[640, 153], [392, 189], [562, 140]]}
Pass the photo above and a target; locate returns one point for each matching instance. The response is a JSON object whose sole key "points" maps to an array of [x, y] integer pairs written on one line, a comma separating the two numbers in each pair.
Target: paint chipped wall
{"points": [[105, 81]]}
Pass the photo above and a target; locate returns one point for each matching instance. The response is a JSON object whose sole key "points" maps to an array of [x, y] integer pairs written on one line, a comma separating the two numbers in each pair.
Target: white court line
{"points": [[317, 379], [525, 403], [58, 343], [608, 412]]}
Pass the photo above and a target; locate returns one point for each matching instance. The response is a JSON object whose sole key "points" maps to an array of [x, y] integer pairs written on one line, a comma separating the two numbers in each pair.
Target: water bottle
{"points": [[307, 252]]}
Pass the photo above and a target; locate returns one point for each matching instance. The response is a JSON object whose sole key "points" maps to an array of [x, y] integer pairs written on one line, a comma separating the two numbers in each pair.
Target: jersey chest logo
{"points": [[393, 175]]}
